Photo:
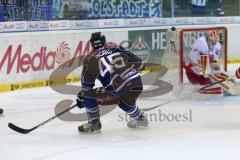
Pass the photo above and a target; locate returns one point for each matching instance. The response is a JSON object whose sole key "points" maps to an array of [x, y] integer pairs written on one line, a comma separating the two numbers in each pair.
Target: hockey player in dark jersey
{"points": [[118, 71]]}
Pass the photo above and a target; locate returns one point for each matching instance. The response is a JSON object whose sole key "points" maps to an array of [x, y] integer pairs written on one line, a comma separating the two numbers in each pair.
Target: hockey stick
{"points": [[212, 84], [154, 107], [25, 131]]}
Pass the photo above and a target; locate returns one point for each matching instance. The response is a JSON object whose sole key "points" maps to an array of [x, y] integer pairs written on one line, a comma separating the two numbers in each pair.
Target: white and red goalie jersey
{"points": [[205, 45]]}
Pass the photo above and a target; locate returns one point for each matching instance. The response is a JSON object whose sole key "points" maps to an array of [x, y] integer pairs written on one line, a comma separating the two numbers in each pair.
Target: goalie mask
{"points": [[97, 40], [213, 37]]}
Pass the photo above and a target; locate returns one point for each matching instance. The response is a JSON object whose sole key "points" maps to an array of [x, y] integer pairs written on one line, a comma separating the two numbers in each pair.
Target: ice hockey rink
{"points": [[210, 130]]}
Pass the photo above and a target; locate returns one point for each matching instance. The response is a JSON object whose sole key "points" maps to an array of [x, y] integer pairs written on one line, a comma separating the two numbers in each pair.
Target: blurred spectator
{"points": [[216, 8], [219, 10], [198, 6], [18, 10], [66, 12], [13, 10]]}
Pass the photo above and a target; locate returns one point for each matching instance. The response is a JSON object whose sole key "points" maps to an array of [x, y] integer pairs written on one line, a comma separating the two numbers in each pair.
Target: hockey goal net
{"points": [[179, 44]]}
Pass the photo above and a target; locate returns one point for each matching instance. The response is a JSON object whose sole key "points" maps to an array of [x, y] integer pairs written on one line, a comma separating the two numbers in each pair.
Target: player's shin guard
{"points": [[93, 113], [134, 112]]}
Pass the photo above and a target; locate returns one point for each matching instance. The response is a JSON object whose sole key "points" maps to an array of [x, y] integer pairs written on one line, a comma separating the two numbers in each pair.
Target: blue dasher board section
{"points": [[39, 10]]}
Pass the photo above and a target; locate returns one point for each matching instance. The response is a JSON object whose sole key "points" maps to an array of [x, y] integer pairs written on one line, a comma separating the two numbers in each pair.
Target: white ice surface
{"points": [[213, 133]]}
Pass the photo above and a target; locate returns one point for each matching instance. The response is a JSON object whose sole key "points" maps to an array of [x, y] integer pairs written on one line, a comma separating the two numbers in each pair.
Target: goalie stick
{"points": [[25, 131], [220, 81], [226, 84]]}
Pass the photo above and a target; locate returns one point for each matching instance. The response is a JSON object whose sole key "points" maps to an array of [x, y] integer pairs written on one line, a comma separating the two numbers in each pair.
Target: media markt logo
{"points": [[141, 48], [15, 59], [63, 53]]}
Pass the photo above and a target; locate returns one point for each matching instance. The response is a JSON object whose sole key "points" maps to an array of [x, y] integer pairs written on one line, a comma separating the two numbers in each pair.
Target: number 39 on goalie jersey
{"points": [[112, 66]]}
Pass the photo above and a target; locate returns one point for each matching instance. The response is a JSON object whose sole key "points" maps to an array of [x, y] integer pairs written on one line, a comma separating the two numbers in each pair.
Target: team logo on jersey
{"points": [[63, 53], [141, 48]]}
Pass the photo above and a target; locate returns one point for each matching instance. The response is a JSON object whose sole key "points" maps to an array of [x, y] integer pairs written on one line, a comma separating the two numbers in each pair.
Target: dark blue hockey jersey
{"points": [[112, 66]]}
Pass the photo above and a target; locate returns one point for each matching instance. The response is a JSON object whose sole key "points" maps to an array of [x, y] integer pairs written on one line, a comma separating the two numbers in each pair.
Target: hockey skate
{"points": [[94, 126], [141, 121]]}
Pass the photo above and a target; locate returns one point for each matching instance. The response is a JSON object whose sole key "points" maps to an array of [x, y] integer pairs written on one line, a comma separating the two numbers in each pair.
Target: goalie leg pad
{"points": [[223, 75], [196, 77], [205, 64], [227, 86], [215, 90]]}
